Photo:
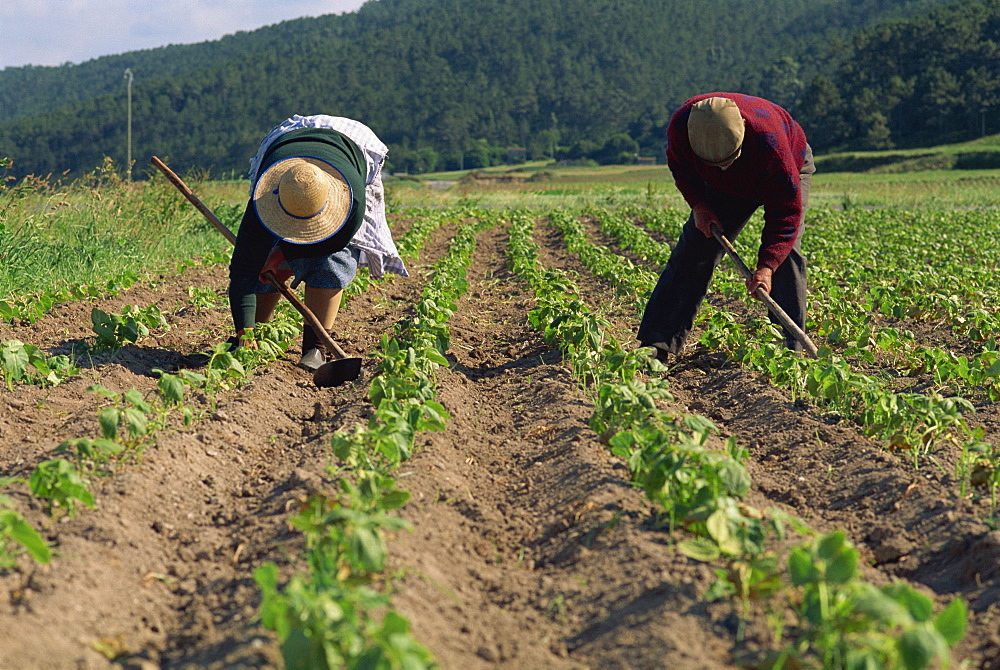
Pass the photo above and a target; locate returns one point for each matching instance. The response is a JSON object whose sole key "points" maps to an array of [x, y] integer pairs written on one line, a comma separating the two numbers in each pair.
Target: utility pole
{"points": [[552, 137], [128, 160]]}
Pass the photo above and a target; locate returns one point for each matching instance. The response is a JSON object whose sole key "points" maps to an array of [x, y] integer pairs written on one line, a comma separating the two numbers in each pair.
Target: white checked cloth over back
{"points": [[373, 239]]}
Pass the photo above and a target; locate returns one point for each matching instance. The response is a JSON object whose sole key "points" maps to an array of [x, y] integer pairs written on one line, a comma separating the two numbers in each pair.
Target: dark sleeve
{"points": [[253, 244], [783, 212], [681, 160]]}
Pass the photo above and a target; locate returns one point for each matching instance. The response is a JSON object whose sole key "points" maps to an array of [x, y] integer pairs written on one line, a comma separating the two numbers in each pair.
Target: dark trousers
{"points": [[683, 284]]}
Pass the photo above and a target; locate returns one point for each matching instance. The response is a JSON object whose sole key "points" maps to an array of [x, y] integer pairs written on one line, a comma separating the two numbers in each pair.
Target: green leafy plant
{"points": [[127, 423], [61, 484], [90, 455], [327, 620], [199, 296], [25, 363], [846, 623], [331, 626], [17, 534], [113, 331], [625, 404]]}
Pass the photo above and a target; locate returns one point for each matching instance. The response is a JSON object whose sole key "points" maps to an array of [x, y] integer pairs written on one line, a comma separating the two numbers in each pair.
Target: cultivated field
{"points": [[511, 483]]}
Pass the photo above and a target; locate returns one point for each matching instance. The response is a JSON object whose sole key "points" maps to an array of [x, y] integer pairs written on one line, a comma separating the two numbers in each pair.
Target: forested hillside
{"points": [[928, 80], [454, 83]]}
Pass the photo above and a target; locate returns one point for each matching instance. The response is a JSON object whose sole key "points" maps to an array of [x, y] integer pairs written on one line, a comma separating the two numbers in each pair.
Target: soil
{"points": [[529, 547]]}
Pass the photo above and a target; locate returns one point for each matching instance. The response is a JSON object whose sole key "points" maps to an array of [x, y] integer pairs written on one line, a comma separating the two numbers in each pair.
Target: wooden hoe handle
{"points": [[183, 188]]}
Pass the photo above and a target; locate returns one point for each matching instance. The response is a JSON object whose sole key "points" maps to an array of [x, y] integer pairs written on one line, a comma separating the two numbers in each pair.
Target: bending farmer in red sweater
{"points": [[729, 155]]}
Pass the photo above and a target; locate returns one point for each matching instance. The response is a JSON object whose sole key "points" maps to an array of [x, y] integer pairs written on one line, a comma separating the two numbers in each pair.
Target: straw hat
{"points": [[715, 130], [302, 200]]}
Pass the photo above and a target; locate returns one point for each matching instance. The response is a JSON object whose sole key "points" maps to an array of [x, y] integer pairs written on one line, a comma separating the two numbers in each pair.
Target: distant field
{"points": [[938, 189], [539, 184], [46, 224]]}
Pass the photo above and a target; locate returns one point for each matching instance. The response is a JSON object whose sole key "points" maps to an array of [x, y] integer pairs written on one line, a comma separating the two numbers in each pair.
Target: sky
{"points": [[54, 32]]}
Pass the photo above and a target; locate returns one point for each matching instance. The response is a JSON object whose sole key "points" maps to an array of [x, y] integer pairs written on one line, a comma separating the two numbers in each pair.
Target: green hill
{"points": [[446, 83]]}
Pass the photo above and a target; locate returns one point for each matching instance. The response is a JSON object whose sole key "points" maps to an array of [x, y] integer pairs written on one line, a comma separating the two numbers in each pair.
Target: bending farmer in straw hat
{"points": [[731, 154], [316, 212]]}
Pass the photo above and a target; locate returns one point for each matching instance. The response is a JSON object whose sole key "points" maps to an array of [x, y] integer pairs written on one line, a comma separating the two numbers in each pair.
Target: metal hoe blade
{"points": [[337, 372]]}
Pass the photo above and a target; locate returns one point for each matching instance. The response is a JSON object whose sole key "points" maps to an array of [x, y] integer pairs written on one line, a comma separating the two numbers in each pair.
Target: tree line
{"points": [[457, 83]]}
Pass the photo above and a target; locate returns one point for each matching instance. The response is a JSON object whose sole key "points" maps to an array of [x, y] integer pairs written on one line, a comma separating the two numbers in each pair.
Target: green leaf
{"points": [[266, 577], [831, 545], [843, 568], [136, 421], [107, 447], [21, 532], [394, 500], [699, 549], [952, 620], [919, 606], [735, 478], [97, 388], [135, 397], [99, 318], [368, 546], [195, 379], [918, 647], [15, 357], [721, 531], [109, 419], [395, 623], [801, 568], [880, 606], [274, 605], [171, 388], [80, 492], [437, 357]]}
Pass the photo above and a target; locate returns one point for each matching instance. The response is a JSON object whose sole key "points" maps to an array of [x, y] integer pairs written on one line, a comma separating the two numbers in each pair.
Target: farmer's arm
{"points": [[783, 214], [253, 244], [682, 163]]}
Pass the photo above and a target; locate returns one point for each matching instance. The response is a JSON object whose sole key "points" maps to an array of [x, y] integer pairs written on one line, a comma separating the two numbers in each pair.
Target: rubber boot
{"points": [[313, 350]]}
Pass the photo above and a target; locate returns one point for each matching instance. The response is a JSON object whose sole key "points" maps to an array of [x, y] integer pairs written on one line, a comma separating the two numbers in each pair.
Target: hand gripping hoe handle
{"points": [[765, 297]]}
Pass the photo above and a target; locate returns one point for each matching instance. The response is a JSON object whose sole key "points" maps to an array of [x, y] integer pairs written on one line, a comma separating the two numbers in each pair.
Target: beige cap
{"points": [[302, 200], [715, 130]]}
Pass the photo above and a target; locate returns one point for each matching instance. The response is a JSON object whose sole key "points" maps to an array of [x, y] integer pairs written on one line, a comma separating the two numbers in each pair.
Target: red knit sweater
{"points": [[767, 171]]}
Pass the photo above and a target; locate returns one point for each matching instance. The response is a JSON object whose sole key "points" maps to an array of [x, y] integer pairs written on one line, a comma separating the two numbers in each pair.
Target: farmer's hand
{"points": [[759, 279], [273, 263], [705, 218], [244, 338]]}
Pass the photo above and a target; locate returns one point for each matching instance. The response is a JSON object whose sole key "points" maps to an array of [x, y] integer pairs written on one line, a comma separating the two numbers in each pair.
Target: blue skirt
{"points": [[336, 270]]}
